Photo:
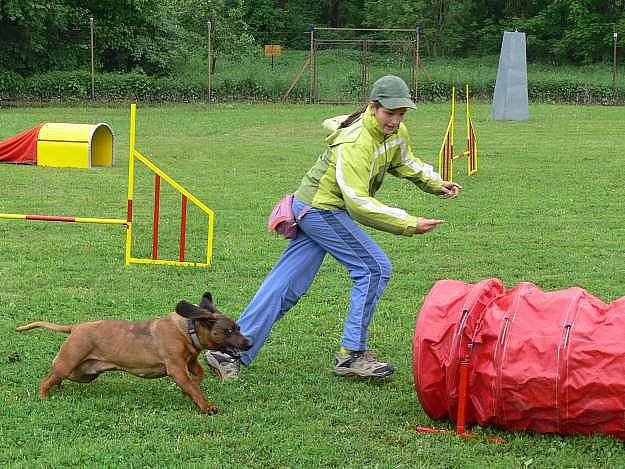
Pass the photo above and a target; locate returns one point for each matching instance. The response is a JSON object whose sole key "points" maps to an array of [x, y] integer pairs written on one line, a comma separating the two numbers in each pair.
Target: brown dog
{"points": [[150, 349]]}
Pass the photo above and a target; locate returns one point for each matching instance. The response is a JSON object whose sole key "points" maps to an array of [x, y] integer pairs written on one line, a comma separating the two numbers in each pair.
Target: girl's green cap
{"points": [[392, 93]]}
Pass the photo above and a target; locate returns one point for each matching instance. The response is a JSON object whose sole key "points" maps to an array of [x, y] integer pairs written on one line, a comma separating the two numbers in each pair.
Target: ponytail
{"points": [[349, 120]]}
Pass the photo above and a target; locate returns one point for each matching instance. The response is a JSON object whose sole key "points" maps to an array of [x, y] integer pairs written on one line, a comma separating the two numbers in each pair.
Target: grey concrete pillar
{"points": [[510, 98]]}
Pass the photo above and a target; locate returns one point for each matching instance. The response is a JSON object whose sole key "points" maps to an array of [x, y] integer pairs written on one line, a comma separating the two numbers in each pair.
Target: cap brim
{"points": [[396, 103]]}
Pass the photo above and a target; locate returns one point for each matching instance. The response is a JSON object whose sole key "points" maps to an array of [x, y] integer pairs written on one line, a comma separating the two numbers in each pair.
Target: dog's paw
{"points": [[212, 410]]}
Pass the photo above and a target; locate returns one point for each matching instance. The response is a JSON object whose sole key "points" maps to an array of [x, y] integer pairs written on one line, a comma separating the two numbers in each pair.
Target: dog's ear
{"points": [[207, 302], [185, 309], [191, 311]]}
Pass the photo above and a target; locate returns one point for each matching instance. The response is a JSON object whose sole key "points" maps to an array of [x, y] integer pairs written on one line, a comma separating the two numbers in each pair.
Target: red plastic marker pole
{"points": [[157, 204], [431, 430], [463, 393], [492, 439], [183, 227], [50, 218]]}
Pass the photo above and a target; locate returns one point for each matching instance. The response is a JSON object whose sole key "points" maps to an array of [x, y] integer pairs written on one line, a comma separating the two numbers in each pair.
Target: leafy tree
{"points": [[281, 21], [137, 35], [159, 36], [37, 36], [345, 14], [573, 30], [32, 32], [230, 33], [437, 20]]}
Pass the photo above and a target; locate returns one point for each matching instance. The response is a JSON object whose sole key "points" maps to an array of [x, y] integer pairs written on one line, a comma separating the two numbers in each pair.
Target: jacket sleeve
{"points": [[352, 176], [406, 165]]}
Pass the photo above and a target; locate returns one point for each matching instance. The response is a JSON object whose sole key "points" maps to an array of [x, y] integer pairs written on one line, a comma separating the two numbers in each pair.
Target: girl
{"points": [[336, 193]]}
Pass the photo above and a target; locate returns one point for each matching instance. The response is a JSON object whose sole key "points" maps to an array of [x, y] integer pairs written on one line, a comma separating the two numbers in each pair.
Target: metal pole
{"points": [[92, 60], [364, 71], [614, 64], [210, 61], [313, 72], [417, 65]]}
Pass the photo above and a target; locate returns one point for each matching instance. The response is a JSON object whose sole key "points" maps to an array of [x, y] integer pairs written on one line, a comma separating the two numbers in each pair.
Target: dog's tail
{"points": [[48, 325]]}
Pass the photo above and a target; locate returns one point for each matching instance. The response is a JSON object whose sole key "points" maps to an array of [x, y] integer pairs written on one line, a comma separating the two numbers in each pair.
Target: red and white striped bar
{"points": [[104, 221]]}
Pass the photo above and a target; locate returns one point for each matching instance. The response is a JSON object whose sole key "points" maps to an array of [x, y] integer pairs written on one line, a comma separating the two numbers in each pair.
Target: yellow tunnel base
{"points": [[75, 145]]}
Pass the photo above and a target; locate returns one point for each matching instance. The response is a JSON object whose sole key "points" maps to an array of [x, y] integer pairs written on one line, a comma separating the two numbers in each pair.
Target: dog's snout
{"points": [[247, 343]]}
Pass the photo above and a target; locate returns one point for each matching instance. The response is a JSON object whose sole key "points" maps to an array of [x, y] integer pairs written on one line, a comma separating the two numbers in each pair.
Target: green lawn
{"points": [[545, 207]]}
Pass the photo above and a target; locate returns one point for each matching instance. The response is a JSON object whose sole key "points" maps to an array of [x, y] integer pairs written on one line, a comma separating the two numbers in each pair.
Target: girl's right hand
{"points": [[425, 225], [450, 190]]}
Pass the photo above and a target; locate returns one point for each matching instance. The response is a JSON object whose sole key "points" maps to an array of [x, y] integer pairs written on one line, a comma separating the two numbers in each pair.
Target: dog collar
{"points": [[193, 333]]}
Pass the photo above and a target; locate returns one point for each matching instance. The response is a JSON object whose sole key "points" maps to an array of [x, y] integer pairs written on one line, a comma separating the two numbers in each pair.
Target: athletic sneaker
{"points": [[224, 366], [362, 364]]}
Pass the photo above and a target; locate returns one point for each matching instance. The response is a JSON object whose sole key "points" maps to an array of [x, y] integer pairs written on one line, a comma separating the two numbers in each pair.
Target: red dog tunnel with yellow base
{"points": [[549, 362], [61, 145]]}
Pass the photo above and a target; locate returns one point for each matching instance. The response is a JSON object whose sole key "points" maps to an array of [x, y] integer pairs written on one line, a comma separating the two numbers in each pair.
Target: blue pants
{"points": [[321, 232]]}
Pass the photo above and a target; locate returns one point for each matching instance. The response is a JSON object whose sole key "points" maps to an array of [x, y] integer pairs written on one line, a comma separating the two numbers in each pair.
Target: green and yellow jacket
{"points": [[351, 170]]}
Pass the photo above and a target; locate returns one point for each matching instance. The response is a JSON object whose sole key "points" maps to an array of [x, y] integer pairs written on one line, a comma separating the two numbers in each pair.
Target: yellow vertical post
{"points": [[452, 126], [468, 151], [446, 153], [468, 112], [453, 117], [471, 140], [209, 247], [131, 178]]}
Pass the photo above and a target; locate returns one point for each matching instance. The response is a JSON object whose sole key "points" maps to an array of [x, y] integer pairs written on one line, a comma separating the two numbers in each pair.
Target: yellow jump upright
{"points": [[75, 145], [446, 155]]}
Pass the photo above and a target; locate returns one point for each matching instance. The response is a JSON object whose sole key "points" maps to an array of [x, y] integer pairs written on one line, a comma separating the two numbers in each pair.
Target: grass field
{"points": [[545, 207]]}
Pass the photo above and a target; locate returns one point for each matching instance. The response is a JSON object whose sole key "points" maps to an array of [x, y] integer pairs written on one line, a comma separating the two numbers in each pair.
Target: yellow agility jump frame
{"points": [[186, 195], [446, 154], [159, 174]]}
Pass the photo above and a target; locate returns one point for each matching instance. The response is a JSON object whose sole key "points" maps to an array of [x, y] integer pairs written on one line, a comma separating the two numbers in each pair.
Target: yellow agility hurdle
{"points": [[446, 154], [186, 195], [158, 174]]}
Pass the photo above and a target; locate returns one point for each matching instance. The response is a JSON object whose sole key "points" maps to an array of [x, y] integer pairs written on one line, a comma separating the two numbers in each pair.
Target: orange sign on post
{"points": [[272, 50]]}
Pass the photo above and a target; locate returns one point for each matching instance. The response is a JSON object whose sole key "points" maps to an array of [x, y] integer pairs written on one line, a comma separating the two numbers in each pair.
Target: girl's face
{"points": [[388, 119]]}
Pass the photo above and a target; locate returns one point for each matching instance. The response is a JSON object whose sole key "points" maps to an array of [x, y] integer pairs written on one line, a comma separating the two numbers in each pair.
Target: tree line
{"points": [[158, 36]]}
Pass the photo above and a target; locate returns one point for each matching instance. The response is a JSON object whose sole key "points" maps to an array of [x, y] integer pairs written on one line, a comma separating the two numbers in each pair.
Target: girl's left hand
{"points": [[450, 189]]}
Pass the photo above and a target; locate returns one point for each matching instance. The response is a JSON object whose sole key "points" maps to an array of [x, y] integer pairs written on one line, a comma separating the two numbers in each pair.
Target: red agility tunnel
{"points": [[21, 148], [549, 362]]}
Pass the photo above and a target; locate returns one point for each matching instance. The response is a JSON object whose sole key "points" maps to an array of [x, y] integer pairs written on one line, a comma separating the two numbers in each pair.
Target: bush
{"points": [[58, 85], [249, 85], [11, 84], [574, 92], [69, 86], [122, 86], [178, 90]]}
